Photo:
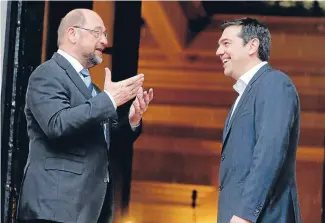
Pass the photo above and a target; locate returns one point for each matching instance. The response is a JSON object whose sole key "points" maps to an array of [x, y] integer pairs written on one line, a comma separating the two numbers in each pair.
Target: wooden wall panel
{"points": [[279, 24], [169, 196], [222, 98], [171, 202], [213, 118], [310, 182], [175, 167], [189, 146], [107, 12], [214, 81], [166, 19]]}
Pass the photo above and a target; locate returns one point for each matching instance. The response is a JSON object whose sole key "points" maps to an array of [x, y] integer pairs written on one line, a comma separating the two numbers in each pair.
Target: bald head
{"points": [[76, 17], [82, 34]]}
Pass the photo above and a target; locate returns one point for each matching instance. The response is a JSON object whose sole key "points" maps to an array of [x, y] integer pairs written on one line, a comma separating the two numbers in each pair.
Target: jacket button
{"points": [[222, 158], [220, 188]]}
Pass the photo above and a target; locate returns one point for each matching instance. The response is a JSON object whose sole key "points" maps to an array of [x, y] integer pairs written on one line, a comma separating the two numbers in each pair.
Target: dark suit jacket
{"points": [[257, 175], [65, 175]]}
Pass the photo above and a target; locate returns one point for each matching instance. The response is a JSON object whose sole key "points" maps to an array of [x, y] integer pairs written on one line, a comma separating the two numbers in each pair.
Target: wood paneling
{"points": [[189, 79], [160, 152], [199, 169], [187, 145], [201, 62], [309, 178], [167, 24], [107, 12], [309, 138], [147, 40], [170, 193], [213, 118], [222, 98], [171, 202], [167, 201], [279, 24]]}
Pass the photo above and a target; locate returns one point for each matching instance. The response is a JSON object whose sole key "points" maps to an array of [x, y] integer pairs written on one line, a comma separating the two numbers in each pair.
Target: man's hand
{"points": [[236, 219], [122, 91], [140, 105]]}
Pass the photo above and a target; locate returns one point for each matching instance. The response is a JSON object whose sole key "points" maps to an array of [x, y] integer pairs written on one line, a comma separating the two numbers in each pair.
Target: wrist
{"points": [[134, 123]]}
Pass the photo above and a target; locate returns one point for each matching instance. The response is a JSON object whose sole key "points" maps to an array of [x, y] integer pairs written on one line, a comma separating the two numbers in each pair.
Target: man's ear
{"points": [[72, 35], [253, 46]]}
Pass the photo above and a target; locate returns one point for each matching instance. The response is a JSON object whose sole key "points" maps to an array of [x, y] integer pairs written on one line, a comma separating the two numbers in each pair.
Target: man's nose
{"points": [[104, 41], [219, 51]]}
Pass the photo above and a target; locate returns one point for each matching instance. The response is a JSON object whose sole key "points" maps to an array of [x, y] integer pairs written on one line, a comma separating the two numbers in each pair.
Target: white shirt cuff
{"points": [[134, 127], [110, 96]]}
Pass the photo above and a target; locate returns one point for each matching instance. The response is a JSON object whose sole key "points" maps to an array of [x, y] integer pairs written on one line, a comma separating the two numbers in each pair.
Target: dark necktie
{"points": [[87, 79], [89, 84]]}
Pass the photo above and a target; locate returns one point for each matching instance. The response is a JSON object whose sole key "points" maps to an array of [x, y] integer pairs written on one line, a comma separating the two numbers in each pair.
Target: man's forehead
{"points": [[96, 25], [94, 20], [230, 32]]}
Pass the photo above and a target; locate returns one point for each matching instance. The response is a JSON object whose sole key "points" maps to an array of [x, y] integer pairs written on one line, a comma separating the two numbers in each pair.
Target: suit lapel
{"points": [[242, 99], [74, 76], [240, 102], [226, 125]]}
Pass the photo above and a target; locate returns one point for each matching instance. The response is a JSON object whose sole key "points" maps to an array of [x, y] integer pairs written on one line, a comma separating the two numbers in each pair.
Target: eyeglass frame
{"points": [[97, 32]]}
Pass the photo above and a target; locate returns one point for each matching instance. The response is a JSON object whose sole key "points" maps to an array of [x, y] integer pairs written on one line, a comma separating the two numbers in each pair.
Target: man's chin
{"points": [[99, 59], [95, 60], [227, 73]]}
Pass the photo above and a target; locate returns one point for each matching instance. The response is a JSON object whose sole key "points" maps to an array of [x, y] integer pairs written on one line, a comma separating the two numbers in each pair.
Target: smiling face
{"points": [[232, 51]]}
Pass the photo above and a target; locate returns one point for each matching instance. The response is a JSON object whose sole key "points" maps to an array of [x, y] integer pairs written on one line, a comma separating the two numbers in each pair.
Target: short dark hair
{"points": [[251, 28]]}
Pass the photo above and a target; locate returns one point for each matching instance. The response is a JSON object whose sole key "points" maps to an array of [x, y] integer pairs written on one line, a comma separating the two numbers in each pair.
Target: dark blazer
{"points": [[257, 175], [65, 176]]}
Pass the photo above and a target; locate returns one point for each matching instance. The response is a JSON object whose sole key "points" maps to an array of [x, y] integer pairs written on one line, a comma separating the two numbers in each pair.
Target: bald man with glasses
{"points": [[70, 124]]}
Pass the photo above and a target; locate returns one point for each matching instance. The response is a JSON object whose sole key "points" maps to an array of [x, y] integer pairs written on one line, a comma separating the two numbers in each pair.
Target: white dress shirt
{"points": [[243, 81], [78, 67]]}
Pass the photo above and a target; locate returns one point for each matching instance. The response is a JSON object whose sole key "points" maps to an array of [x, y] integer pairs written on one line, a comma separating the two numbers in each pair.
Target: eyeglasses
{"points": [[97, 33]]}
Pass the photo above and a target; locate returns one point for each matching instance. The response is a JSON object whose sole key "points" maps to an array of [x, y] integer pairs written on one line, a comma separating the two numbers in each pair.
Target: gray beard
{"points": [[94, 59]]}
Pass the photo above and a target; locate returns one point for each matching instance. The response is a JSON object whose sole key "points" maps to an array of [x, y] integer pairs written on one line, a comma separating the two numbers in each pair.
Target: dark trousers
{"points": [[106, 214]]}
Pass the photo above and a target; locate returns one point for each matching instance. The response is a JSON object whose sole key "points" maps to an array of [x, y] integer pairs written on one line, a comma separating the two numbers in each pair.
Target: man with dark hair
{"points": [[257, 175]]}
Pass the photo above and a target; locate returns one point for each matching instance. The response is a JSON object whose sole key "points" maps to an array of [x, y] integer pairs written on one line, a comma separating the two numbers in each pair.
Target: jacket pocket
{"points": [[242, 179], [244, 113], [63, 164], [77, 151]]}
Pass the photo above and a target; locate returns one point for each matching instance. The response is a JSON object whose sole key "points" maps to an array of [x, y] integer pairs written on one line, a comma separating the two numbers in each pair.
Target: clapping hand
{"points": [[140, 105]]}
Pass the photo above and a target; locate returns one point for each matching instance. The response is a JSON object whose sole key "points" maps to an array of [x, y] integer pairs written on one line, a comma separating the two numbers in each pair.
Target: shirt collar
{"points": [[73, 61], [243, 81]]}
